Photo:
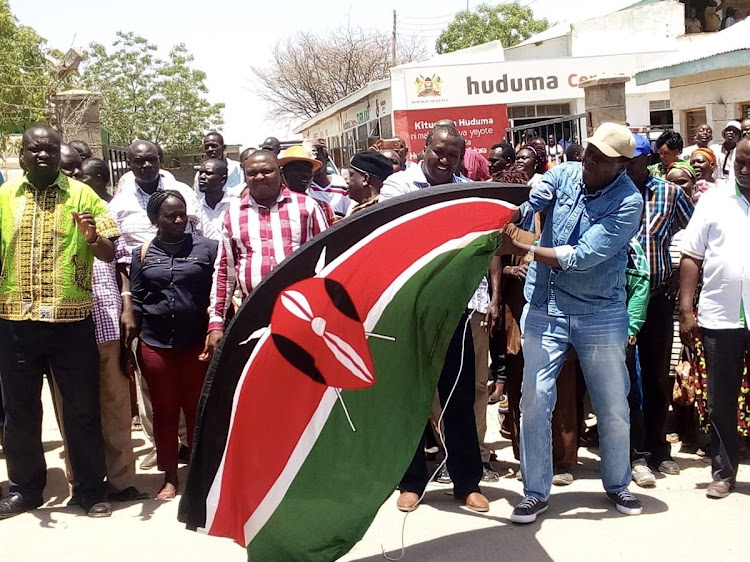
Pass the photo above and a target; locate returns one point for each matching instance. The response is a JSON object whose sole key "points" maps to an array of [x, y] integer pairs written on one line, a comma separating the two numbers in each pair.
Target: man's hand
{"points": [[519, 271], [129, 325], [212, 342], [87, 225], [689, 329], [512, 246], [492, 317]]}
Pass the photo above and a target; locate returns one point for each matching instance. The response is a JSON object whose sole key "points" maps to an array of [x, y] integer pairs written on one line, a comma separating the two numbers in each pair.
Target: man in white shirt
{"points": [[716, 242], [703, 137], [444, 150], [214, 147], [212, 178], [725, 151]]}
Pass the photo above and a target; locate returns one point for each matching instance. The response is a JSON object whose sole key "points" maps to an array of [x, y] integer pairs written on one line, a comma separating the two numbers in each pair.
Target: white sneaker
{"points": [[642, 475]]}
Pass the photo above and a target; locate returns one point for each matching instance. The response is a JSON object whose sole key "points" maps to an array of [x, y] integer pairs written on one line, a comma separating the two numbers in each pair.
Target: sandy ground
{"points": [[678, 523]]}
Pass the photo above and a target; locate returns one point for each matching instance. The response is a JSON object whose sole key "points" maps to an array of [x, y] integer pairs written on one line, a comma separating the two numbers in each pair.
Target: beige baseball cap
{"points": [[613, 140]]}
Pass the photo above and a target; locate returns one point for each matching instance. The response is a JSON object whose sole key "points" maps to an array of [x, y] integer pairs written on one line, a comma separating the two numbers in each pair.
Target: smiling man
{"points": [[575, 293], [444, 149]]}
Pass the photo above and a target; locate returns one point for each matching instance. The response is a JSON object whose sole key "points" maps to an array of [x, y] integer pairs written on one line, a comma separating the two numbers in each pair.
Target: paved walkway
{"points": [[679, 522]]}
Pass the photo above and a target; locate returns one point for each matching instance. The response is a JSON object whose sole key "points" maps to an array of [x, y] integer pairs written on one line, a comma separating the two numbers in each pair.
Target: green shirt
{"points": [[637, 276], [46, 262]]}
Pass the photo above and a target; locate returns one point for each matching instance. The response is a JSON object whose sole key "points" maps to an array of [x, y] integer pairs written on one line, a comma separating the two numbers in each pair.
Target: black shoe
{"points": [[626, 502], [74, 501], [183, 455], [528, 509], [443, 477], [97, 509], [15, 504], [127, 495], [488, 473]]}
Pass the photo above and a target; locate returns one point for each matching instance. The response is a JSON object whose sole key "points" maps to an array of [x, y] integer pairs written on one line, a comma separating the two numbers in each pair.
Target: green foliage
{"points": [[25, 75], [510, 23], [149, 98]]}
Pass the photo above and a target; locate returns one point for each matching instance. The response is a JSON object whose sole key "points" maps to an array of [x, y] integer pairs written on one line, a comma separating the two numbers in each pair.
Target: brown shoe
{"points": [[407, 501], [719, 489], [476, 501]]}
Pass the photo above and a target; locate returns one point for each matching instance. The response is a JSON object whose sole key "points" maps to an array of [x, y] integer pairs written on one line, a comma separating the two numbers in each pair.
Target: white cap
{"points": [[735, 124], [613, 140]]}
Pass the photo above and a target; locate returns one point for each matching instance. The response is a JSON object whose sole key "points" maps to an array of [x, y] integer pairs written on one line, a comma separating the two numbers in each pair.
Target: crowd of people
{"points": [[102, 285], [711, 15]]}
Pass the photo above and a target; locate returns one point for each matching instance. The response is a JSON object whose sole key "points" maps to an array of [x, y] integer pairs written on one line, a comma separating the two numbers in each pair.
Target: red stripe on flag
{"points": [[269, 419]]}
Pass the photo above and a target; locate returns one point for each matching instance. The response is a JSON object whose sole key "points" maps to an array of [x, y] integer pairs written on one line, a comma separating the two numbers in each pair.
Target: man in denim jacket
{"points": [[575, 293]]}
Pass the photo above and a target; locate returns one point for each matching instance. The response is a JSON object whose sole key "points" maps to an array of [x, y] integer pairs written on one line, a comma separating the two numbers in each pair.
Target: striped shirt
{"points": [[255, 239], [667, 210]]}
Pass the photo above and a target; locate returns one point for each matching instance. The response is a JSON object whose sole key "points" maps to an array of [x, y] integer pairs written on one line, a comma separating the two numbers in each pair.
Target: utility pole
{"points": [[393, 41]]}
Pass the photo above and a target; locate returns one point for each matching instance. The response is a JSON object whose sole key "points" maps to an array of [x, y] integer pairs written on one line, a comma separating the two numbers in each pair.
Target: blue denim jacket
{"points": [[590, 234]]}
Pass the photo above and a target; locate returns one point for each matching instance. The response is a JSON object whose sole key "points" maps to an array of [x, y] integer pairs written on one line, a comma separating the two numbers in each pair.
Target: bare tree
{"points": [[309, 72]]}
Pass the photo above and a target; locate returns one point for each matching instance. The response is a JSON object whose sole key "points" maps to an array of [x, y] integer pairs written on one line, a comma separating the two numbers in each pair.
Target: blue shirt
{"points": [[590, 234]]}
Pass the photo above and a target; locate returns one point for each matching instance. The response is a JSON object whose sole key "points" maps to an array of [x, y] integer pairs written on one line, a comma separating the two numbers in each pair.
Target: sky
{"points": [[227, 37]]}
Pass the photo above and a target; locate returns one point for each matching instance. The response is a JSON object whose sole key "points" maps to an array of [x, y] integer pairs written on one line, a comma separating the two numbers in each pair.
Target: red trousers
{"points": [[175, 380]]}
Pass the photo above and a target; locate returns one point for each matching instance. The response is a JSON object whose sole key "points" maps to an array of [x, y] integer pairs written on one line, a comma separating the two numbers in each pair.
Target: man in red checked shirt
{"points": [[258, 233]]}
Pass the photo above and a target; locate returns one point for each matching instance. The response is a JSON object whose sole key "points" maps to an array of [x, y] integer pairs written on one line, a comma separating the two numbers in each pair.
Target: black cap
{"points": [[373, 163]]}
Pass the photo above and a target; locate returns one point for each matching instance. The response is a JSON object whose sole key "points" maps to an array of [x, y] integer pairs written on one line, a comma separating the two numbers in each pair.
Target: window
{"points": [[549, 110], [694, 118], [745, 112], [386, 128]]}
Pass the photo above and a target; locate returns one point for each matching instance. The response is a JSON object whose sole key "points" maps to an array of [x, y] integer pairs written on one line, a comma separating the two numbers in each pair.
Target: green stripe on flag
{"points": [[348, 475]]}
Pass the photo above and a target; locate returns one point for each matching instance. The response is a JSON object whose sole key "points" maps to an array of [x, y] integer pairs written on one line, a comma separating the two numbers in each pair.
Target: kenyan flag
{"points": [[333, 398]]}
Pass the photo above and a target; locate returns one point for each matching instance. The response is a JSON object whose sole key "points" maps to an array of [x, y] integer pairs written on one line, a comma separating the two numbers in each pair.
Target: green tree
{"points": [[510, 23], [150, 98], [26, 75]]}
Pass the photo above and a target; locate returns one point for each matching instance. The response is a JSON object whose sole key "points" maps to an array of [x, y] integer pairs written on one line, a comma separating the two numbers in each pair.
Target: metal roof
{"points": [[702, 52], [351, 99]]}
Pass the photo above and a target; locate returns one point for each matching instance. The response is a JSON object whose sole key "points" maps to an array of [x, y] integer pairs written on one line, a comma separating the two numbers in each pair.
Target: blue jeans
{"points": [[600, 341]]}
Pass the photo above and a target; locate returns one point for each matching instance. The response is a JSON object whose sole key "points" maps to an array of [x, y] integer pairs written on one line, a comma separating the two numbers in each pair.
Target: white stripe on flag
{"points": [[307, 440]]}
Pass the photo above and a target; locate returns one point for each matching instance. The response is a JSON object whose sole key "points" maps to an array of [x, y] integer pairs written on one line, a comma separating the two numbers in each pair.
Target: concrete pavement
{"points": [[678, 523]]}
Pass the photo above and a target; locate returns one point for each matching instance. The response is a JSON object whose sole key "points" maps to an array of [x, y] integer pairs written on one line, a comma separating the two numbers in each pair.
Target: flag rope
{"points": [[442, 442]]}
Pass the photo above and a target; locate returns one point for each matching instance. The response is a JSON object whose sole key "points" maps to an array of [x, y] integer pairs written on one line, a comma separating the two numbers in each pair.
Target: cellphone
{"points": [[392, 144]]}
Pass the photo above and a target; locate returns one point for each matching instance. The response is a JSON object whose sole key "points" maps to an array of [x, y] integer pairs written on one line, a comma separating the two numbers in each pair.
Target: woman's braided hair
{"points": [[157, 199]]}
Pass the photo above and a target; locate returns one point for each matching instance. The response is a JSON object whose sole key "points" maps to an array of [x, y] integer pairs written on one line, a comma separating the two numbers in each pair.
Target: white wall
{"points": [[721, 92], [550, 49], [646, 29]]}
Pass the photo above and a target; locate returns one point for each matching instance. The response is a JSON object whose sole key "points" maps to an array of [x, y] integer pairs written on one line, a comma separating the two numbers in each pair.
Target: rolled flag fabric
{"points": [[318, 395]]}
